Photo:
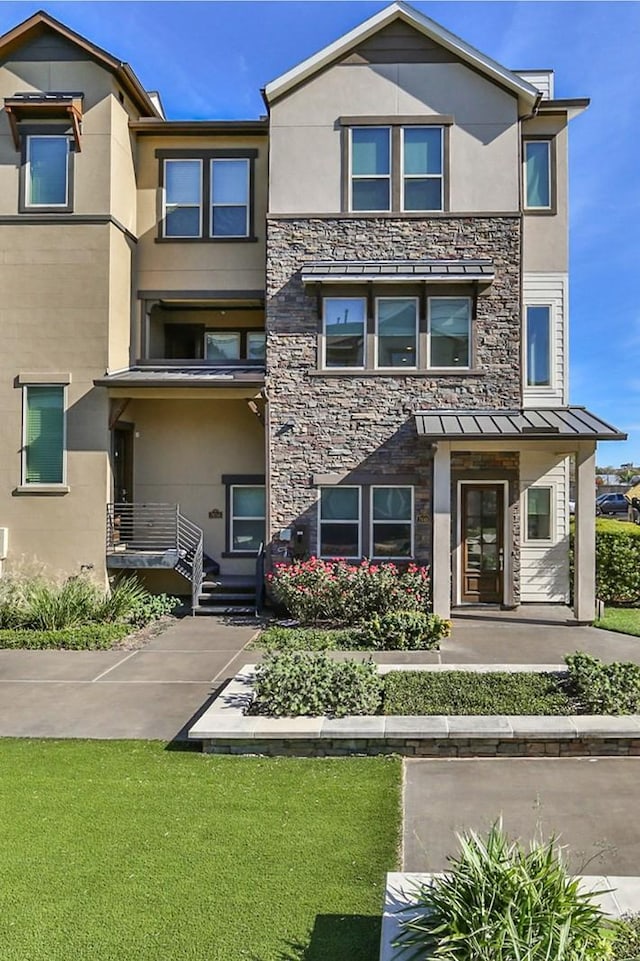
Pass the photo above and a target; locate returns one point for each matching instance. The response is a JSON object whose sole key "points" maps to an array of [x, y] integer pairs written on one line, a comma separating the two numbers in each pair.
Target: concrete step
{"points": [[220, 610], [229, 582], [226, 597]]}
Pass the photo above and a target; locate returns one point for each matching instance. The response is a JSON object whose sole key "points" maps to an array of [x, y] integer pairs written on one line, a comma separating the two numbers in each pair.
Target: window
{"points": [[43, 435], [397, 168], [391, 522], [47, 168], [449, 331], [340, 522], [397, 331], [247, 527], [537, 165], [422, 165], [538, 321], [344, 330], [227, 345], [539, 514], [371, 168], [183, 198], [207, 196], [229, 198]]}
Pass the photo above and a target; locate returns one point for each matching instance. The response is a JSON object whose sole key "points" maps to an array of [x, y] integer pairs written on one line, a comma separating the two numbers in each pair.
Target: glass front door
{"points": [[482, 543]]}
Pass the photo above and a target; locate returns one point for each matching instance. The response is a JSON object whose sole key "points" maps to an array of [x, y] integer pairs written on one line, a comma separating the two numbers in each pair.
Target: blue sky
{"points": [[210, 59]]}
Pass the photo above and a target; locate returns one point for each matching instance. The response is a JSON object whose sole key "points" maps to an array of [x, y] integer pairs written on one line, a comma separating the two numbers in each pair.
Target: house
{"points": [[392, 385]]}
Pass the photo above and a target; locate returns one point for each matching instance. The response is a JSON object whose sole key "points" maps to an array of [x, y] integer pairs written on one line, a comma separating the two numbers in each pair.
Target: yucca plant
{"points": [[502, 902]]}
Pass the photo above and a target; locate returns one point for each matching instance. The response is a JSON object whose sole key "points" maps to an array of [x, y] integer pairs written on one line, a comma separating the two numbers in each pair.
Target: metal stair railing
{"points": [[260, 564], [159, 529]]}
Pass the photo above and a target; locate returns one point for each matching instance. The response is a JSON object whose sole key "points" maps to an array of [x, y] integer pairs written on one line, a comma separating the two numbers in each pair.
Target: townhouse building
{"points": [[340, 329]]}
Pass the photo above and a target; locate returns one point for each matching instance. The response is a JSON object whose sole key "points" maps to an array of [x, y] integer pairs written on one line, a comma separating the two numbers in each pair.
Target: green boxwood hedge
{"points": [[617, 561]]}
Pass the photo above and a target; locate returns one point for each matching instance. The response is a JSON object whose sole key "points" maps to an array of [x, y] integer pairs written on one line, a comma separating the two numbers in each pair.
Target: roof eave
{"points": [[525, 92]]}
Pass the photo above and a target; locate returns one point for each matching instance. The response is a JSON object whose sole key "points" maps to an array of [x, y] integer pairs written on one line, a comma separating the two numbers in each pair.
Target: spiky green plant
{"points": [[503, 902]]}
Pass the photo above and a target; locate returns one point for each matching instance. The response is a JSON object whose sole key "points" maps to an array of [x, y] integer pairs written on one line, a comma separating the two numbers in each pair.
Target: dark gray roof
{"points": [[540, 422], [397, 270], [186, 376]]}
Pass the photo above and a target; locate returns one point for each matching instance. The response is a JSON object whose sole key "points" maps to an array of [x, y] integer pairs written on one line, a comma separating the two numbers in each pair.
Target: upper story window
{"points": [[538, 175], [228, 345], [449, 331], [538, 345], [402, 336], [207, 197], [344, 331], [47, 181], [396, 168]]}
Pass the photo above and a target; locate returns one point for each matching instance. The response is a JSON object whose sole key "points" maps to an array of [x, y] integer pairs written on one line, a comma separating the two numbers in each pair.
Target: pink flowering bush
{"points": [[335, 592]]}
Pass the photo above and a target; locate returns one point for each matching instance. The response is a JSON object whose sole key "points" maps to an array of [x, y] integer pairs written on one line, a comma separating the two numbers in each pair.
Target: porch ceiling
{"points": [[543, 423]]}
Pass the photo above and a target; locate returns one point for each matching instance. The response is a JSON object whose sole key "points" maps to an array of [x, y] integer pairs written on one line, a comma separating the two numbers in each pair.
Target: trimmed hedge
{"points": [[462, 692], [617, 561], [295, 684], [604, 688], [86, 638], [395, 631], [309, 639]]}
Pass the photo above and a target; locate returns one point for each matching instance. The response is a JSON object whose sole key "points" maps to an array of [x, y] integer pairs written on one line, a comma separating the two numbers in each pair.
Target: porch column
{"points": [[441, 552], [584, 587]]}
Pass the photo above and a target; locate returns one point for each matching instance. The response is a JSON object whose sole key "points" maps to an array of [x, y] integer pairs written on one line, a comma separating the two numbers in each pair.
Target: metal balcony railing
{"points": [[148, 530]]}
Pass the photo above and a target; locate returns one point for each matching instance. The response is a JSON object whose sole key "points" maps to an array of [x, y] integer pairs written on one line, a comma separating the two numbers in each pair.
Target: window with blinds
{"points": [[43, 443]]}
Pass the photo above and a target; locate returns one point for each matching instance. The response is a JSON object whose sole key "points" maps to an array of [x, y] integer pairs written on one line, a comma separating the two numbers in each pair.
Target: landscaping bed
{"points": [[128, 851]]}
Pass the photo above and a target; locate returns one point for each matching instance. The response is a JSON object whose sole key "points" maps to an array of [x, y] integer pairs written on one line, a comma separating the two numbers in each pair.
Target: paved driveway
{"points": [[151, 693], [592, 803]]}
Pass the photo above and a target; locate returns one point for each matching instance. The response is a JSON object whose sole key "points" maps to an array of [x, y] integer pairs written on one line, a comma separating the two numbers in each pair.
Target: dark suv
{"points": [[612, 504]]}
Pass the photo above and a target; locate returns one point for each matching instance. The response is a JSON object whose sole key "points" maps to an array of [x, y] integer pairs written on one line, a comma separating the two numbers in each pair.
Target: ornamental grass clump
{"points": [[335, 592], [502, 902]]}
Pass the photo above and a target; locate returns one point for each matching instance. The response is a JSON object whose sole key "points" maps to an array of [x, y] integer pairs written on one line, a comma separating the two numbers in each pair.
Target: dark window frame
{"points": [[552, 209], [46, 130], [238, 480], [396, 176], [206, 156], [365, 488]]}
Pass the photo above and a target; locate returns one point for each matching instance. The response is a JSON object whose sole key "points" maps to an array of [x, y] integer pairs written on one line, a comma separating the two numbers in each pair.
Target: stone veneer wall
{"points": [[357, 423]]}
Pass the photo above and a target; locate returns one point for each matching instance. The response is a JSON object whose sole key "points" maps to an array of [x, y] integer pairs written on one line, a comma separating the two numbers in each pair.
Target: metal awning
{"points": [[186, 376], [398, 271], [539, 423]]}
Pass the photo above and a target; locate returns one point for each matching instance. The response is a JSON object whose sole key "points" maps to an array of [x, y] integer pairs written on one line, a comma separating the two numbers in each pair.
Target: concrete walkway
{"points": [[155, 692]]}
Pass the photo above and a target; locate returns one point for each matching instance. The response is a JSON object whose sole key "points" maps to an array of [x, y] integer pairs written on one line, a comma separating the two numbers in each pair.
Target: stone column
{"points": [[584, 587], [441, 552]]}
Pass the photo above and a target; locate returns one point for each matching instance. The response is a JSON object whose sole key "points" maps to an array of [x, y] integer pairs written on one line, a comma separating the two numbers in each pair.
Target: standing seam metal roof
{"points": [[539, 422]]}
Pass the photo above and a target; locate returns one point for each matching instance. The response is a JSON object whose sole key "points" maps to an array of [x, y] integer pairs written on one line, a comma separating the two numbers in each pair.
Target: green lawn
{"points": [[128, 852], [624, 620]]}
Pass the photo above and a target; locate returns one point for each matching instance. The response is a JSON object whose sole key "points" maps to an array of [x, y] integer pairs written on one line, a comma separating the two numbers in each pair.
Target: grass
{"points": [[623, 620], [460, 692], [124, 851], [89, 637]]}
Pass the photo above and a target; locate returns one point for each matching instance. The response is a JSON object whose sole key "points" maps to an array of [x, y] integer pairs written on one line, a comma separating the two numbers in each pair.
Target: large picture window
{"points": [[340, 522], [449, 331], [344, 331], [43, 435]]}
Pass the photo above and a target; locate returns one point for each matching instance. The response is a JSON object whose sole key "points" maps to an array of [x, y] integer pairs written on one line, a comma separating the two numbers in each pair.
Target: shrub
{"points": [[617, 561], [502, 902], [292, 684], [406, 631], [310, 639], [627, 943], [466, 692], [131, 603], [83, 638], [604, 688], [314, 591]]}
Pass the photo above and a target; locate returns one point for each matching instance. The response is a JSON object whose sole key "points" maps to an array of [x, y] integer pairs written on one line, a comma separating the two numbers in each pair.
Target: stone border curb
{"points": [[622, 897], [225, 728]]}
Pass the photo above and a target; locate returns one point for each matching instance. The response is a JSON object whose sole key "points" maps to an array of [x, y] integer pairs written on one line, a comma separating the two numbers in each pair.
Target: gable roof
{"points": [[526, 93], [42, 22]]}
